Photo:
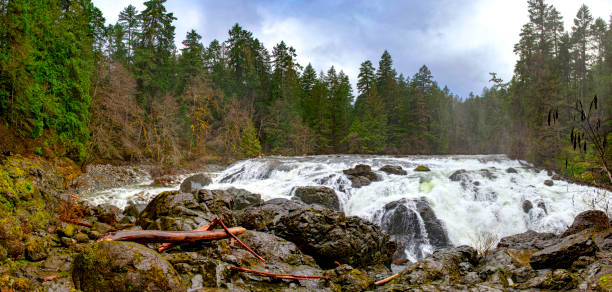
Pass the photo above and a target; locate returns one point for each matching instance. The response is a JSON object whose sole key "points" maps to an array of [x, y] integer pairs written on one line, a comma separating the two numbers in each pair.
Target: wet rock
{"points": [[326, 235], [403, 221], [564, 253], [361, 175], [186, 211], [81, 238], [527, 206], [443, 266], [101, 228], [133, 209], [350, 279], [528, 240], [393, 169], [422, 168], [322, 196], [459, 175], [107, 213], [195, 183], [555, 280], [123, 266], [243, 198], [276, 250], [596, 219], [487, 174], [549, 182], [511, 170], [265, 216], [556, 177], [542, 206]]}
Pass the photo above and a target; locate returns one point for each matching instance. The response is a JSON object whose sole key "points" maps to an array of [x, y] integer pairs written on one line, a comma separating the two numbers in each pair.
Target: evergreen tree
{"points": [[153, 57], [130, 22], [190, 62], [249, 144]]}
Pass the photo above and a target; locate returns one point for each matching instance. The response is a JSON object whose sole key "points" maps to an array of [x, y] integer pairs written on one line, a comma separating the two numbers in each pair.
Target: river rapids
{"points": [[489, 197]]}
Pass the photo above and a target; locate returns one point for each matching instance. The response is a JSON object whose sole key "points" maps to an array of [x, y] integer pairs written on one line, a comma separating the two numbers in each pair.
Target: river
{"points": [[490, 196]]}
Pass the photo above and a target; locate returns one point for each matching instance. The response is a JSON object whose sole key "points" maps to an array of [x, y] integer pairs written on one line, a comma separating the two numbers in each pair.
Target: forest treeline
{"points": [[72, 85]]}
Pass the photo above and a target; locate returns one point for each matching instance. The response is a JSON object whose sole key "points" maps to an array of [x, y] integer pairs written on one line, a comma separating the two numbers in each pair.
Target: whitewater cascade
{"points": [[488, 193]]}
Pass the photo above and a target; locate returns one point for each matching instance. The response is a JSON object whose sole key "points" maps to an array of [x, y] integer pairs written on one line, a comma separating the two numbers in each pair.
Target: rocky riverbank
{"points": [[38, 251]]}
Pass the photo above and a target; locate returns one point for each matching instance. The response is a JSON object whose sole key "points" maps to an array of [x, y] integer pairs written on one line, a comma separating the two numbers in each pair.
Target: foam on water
{"points": [[490, 200]]}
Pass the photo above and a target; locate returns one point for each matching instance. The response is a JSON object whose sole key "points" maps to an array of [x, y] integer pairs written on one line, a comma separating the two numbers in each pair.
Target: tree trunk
{"points": [[169, 236]]}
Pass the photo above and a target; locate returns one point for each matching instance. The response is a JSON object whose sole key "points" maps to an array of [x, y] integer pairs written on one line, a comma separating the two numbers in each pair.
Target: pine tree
{"points": [[249, 144], [153, 57], [191, 60], [129, 20]]}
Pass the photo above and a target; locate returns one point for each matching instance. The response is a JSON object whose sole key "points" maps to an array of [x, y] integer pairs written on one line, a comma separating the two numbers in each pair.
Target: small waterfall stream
{"points": [[489, 193]]}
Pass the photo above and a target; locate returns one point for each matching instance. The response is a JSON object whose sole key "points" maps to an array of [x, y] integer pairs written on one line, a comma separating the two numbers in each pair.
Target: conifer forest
{"points": [[72, 85]]}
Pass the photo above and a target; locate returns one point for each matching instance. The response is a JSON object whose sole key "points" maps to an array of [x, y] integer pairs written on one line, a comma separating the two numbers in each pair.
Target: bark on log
{"points": [[169, 236], [386, 280], [278, 276], [168, 245]]}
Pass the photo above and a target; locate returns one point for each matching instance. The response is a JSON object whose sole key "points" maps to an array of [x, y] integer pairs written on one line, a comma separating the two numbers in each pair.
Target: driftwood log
{"points": [[169, 236], [168, 245], [278, 276], [386, 280]]}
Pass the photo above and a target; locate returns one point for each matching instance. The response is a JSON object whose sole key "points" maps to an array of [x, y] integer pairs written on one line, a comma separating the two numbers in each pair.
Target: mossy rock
{"points": [[68, 230], [422, 168], [605, 282], [123, 266], [36, 249]]}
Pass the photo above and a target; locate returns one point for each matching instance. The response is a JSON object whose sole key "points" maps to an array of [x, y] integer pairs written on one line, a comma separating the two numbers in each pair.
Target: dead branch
{"points": [[167, 245], [75, 222], [169, 236], [50, 278], [386, 280], [218, 221], [278, 276]]}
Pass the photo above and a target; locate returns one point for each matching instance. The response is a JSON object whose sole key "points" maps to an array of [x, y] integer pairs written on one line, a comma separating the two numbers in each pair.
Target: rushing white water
{"points": [[487, 199]]}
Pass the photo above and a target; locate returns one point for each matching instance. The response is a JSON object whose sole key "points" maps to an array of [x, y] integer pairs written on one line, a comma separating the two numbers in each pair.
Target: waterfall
{"points": [[486, 192]]}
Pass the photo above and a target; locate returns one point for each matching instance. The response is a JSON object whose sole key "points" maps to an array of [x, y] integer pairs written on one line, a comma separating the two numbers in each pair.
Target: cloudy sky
{"points": [[461, 41]]}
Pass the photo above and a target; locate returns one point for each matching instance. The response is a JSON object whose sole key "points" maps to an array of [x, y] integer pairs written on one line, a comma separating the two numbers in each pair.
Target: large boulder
{"points": [[195, 183], [446, 266], [123, 266], [186, 211], [361, 175], [402, 221], [243, 198], [459, 175], [393, 169], [564, 253], [595, 219], [326, 235], [528, 240], [323, 196]]}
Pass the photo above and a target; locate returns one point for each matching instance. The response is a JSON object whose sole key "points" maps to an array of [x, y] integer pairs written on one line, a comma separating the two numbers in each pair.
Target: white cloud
{"points": [[460, 40]]}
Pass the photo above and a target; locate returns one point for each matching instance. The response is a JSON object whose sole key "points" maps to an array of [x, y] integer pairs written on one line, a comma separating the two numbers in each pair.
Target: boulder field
{"points": [[38, 252]]}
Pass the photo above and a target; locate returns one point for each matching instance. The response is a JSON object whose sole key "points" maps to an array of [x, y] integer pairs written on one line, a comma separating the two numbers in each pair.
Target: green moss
{"points": [[422, 168], [605, 282], [69, 230]]}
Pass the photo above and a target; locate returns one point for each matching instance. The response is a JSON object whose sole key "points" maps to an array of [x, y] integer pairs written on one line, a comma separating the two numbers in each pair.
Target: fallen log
{"points": [[168, 245], [278, 276], [75, 222], [169, 236], [386, 280]]}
